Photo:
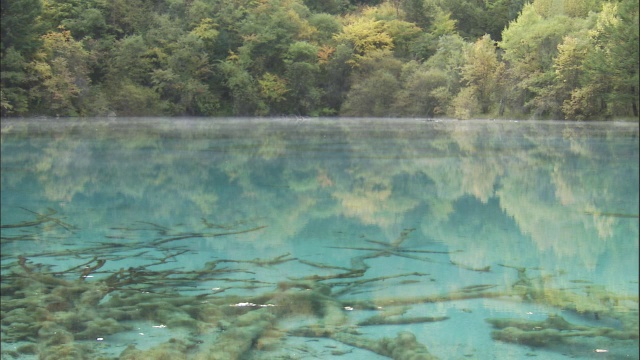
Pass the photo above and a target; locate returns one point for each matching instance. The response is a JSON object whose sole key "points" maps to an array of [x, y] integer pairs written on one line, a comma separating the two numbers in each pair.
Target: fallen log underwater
{"points": [[54, 311]]}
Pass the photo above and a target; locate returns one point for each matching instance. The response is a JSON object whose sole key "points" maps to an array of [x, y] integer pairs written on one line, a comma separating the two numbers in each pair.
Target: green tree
{"points": [[608, 75], [326, 25], [268, 31], [19, 40], [404, 35], [376, 25], [127, 98], [374, 86], [469, 16], [581, 8], [18, 26], [183, 81], [448, 60], [130, 77], [424, 92], [549, 8], [530, 45], [365, 36], [617, 56], [130, 60], [128, 17], [372, 96], [465, 105], [418, 12], [273, 90], [243, 89], [450, 55], [498, 14], [569, 70], [327, 6], [89, 23], [426, 44], [335, 75], [301, 71], [60, 71], [15, 96], [483, 73]]}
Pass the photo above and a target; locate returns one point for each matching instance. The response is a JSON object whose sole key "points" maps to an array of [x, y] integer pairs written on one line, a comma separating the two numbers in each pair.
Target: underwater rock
{"points": [[173, 349], [93, 296], [240, 338], [56, 303], [305, 285], [101, 327], [384, 320], [555, 329], [29, 349], [51, 333], [21, 331], [176, 318], [270, 340], [403, 347], [406, 347], [538, 338], [71, 351], [552, 322], [309, 302]]}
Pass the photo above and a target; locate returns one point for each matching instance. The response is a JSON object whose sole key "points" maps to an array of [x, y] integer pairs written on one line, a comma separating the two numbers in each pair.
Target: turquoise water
{"points": [[319, 239]]}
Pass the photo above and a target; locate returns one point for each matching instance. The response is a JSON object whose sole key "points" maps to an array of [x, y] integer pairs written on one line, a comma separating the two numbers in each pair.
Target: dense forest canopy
{"points": [[562, 59]]}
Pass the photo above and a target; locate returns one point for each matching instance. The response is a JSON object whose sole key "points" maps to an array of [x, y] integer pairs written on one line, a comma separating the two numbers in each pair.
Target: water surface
{"points": [[319, 238]]}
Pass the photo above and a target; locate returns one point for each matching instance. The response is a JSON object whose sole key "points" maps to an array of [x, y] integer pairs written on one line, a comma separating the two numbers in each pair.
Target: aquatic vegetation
{"points": [[51, 312], [40, 219], [554, 329], [33, 229]]}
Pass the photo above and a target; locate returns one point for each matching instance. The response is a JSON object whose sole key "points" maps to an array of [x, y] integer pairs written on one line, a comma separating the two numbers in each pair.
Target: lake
{"points": [[297, 238]]}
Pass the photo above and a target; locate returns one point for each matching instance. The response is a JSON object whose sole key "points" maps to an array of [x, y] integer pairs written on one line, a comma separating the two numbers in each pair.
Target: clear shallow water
{"points": [[318, 238]]}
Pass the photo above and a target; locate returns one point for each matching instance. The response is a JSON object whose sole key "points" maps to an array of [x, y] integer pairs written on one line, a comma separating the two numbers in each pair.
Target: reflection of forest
{"points": [[571, 188]]}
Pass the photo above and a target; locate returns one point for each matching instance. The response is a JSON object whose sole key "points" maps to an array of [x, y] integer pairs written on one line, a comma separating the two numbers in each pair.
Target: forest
{"points": [[545, 59]]}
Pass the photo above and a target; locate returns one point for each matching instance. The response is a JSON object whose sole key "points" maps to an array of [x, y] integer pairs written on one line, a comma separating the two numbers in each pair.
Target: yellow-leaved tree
{"points": [[61, 71], [483, 73], [366, 36]]}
